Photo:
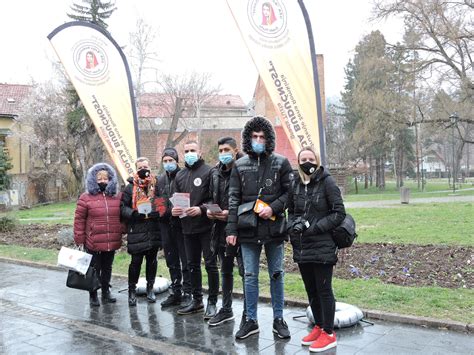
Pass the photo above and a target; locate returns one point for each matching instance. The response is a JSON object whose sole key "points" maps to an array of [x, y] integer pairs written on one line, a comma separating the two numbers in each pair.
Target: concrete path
{"points": [[39, 315], [412, 201]]}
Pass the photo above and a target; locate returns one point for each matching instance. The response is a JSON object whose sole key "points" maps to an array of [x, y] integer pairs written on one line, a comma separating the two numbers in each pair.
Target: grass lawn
{"points": [[436, 302], [61, 212], [435, 223]]}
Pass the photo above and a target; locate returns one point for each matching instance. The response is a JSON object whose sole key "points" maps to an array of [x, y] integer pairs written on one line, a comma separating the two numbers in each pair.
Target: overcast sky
{"points": [[198, 35]]}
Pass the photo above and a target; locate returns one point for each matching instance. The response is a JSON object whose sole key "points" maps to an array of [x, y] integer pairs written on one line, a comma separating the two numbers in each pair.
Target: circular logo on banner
{"points": [[267, 17], [197, 182], [90, 59]]}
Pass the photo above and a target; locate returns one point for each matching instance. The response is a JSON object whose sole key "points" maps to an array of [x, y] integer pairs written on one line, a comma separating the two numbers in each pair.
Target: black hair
{"points": [[227, 140]]}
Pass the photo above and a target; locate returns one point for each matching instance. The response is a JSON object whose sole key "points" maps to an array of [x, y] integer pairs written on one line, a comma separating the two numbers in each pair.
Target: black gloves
{"points": [[299, 226]]}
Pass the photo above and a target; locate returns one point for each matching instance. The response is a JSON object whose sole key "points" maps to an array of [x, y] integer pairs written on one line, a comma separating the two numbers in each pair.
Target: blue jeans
{"points": [[251, 256]]}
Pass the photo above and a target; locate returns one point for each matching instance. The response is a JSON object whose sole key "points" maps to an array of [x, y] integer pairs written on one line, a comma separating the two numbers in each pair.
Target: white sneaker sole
{"points": [[329, 346], [306, 343], [222, 321], [278, 335], [249, 334]]}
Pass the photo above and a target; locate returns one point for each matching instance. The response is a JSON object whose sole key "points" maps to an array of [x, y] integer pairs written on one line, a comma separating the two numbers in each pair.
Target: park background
{"points": [[401, 130]]}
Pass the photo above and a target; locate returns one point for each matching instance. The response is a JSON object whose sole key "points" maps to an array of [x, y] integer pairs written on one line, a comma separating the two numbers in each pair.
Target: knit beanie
{"points": [[170, 152]]}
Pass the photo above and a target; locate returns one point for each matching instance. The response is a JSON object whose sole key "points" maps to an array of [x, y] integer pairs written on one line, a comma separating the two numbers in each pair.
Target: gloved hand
{"points": [[299, 226]]}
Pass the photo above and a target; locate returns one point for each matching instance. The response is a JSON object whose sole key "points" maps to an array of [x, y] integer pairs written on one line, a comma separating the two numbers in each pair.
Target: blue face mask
{"points": [[170, 167], [258, 148], [190, 158], [226, 158]]}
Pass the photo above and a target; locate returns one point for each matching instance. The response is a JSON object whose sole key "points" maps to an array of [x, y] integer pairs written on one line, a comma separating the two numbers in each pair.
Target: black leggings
{"points": [[102, 261], [317, 280], [136, 265]]}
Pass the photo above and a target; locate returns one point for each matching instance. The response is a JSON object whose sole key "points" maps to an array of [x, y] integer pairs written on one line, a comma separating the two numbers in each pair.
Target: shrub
{"points": [[7, 224]]}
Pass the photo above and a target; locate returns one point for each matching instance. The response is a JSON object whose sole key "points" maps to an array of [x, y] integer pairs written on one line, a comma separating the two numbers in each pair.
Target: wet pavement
{"points": [[40, 315]]}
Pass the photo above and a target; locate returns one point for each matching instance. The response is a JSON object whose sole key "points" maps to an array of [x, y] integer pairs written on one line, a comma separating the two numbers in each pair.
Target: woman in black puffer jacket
{"points": [[143, 231], [315, 208]]}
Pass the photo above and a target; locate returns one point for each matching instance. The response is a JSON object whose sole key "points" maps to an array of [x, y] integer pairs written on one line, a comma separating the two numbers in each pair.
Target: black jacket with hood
{"points": [[195, 180], [320, 203], [244, 185], [142, 234], [219, 188], [165, 188]]}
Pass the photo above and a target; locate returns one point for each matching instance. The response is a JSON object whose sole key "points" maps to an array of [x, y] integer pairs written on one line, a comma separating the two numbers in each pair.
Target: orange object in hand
{"points": [[259, 206]]}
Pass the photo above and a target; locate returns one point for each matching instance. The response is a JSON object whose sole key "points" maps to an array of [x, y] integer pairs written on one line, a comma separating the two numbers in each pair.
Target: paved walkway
{"points": [[412, 201], [39, 315]]}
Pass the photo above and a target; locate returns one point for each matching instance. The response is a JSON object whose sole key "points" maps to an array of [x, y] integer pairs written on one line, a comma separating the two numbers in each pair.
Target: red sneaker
{"points": [[311, 337], [325, 341]]}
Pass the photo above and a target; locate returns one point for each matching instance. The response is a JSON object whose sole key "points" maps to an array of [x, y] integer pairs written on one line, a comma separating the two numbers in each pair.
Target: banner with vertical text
{"points": [[98, 69], [276, 35]]}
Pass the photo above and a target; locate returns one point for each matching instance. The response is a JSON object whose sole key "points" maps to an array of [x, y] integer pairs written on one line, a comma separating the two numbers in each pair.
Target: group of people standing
{"points": [[305, 206]]}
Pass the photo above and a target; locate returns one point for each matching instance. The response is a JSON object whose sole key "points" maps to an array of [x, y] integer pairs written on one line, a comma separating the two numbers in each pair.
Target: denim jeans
{"points": [[251, 256]]}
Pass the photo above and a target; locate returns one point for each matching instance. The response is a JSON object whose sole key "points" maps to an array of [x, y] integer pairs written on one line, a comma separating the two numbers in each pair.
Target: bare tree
{"points": [[444, 32], [43, 127], [184, 96]]}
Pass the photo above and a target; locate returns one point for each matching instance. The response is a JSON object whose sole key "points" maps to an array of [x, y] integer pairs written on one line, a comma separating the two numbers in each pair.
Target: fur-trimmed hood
{"points": [[257, 124], [91, 180]]}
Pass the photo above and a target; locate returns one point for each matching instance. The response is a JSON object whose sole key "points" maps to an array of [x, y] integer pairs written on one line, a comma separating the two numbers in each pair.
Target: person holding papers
{"points": [[172, 233], [194, 179], [139, 211], [218, 212]]}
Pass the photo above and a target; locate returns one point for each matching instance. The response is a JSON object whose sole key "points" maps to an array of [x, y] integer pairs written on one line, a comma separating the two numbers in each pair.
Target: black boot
{"points": [[132, 295], [150, 294], [172, 300], [107, 296], [93, 299], [194, 307]]}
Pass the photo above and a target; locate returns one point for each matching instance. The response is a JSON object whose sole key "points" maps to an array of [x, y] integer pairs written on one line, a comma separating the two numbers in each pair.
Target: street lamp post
{"points": [[454, 119]]}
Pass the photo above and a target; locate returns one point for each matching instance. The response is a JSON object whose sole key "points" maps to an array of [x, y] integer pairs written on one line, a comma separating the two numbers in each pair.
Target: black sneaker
{"points": [[280, 328], [172, 300], [243, 319], [250, 327], [194, 307], [221, 317], [211, 311]]}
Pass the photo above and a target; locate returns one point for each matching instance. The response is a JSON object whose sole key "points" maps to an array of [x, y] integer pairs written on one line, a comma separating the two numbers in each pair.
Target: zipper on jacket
{"points": [[107, 215]]}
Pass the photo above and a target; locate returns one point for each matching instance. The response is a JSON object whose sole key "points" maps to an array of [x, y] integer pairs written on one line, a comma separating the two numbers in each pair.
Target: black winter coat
{"points": [[320, 203], [195, 180], [142, 234], [219, 188], [165, 188], [244, 187]]}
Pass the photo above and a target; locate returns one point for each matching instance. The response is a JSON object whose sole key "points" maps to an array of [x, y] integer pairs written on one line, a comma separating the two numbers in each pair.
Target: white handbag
{"points": [[74, 259]]}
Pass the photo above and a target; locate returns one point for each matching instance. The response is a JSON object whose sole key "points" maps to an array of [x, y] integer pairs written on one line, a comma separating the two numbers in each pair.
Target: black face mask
{"points": [[102, 186], [308, 167], [143, 173]]}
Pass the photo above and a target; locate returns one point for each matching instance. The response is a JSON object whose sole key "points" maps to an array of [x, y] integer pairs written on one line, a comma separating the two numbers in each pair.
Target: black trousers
{"points": [[136, 265], [175, 256], [317, 280], [102, 261], [227, 275], [197, 245]]}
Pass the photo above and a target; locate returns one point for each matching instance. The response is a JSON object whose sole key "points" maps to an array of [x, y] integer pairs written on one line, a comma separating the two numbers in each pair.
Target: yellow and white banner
{"points": [[276, 35], [99, 72]]}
